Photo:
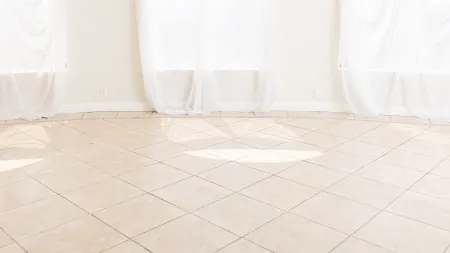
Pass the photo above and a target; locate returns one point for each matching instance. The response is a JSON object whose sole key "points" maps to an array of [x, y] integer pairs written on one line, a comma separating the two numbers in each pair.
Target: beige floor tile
{"points": [[301, 114], [13, 138], [199, 140], [196, 124], [271, 161], [163, 151], [192, 193], [423, 208], [410, 160], [313, 175], [10, 176], [61, 137], [279, 114], [366, 191], [312, 123], [142, 125], [172, 132], [434, 136], [93, 151], [188, 234], [336, 115], [238, 214], [38, 217], [237, 114], [29, 150], [260, 140], [340, 161], [134, 114], [122, 163], [362, 149], [196, 163], [14, 248], [36, 125], [390, 174], [350, 128], [427, 148], [137, 140], [243, 246], [127, 247], [409, 120], [403, 235], [336, 212], [5, 239], [163, 115], [154, 177], [292, 234], [106, 193], [17, 121], [139, 215], [443, 128], [100, 129], [435, 186], [218, 122], [390, 135], [71, 178], [243, 126], [322, 140], [231, 150], [440, 129], [22, 193], [293, 156], [50, 164], [279, 193], [84, 235], [286, 131], [68, 116], [100, 115], [228, 133], [443, 169], [353, 245], [234, 176], [298, 146]]}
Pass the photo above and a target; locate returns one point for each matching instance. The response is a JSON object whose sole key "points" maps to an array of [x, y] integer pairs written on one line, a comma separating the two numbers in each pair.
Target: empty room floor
{"points": [[227, 183]]}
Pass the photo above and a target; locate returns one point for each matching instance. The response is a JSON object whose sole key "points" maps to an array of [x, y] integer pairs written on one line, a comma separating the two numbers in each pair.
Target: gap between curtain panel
{"points": [[33, 57], [200, 56]]}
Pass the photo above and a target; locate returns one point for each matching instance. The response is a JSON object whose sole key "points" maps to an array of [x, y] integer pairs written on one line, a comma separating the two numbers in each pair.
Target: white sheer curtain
{"points": [[200, 56], [395, 56], [32, 57]]}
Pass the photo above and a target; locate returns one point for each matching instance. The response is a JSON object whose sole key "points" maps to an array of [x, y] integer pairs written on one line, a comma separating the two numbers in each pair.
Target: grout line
{"points": [[389, 204], [273, 175], [13, 240]]}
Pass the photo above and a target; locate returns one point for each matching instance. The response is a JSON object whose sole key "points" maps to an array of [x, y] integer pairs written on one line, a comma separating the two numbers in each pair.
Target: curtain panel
{"points": [[32, 57], [200, 56]]}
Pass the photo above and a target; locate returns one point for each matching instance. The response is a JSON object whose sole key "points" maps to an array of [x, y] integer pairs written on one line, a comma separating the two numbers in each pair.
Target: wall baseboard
{"points": [[310, 107], [106, 107]]}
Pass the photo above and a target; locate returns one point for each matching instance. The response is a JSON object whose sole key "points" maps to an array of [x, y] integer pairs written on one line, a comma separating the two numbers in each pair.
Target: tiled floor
{"points": [[230, 183]]}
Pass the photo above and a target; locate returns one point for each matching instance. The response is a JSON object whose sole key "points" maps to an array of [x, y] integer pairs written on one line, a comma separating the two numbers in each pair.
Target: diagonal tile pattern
{"points": [[140, 182]]}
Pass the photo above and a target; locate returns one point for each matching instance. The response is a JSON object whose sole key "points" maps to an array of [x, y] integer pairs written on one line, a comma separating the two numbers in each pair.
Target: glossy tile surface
{"points": [[282, 182]]}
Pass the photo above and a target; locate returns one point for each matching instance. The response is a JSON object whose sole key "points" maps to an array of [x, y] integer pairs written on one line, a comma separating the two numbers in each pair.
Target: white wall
{"points": [[104, 69], [104, 64], [309, 40]]}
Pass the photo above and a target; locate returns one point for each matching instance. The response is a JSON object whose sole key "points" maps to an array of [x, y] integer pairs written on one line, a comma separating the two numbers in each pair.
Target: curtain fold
{"points": [[32, 57], [395, 57], [200, 56]]}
